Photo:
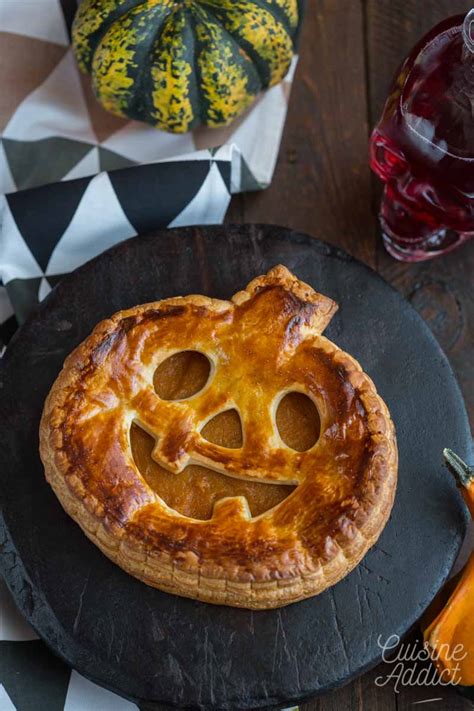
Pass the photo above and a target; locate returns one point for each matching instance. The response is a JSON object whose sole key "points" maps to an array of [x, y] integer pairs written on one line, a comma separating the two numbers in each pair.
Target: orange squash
{"points": [[449, 634]]}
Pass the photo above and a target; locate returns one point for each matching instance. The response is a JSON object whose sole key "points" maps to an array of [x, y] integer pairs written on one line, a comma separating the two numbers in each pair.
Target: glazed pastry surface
{"points": [[223, 450]]}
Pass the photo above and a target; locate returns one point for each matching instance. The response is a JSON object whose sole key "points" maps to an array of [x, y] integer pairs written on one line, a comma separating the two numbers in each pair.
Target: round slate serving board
{"points": [[158, 648]]}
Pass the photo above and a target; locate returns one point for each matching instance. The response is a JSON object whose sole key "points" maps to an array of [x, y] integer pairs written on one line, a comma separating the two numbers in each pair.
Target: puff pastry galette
{"points": [[223, 450]]}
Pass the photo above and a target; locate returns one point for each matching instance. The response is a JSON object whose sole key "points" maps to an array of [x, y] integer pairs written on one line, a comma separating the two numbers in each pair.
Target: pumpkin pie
{"points": [[223, 450]]}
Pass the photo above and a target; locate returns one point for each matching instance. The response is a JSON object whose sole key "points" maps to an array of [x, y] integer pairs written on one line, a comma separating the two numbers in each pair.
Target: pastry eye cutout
{"points": [[297, 420], [182, 375]]}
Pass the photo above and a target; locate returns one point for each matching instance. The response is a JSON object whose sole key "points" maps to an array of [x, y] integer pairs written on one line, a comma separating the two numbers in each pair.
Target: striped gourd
{"points": [[178, 64]]}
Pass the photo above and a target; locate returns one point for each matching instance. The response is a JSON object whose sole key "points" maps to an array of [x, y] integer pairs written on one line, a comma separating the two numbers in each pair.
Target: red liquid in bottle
{"points": [[423, 147]]}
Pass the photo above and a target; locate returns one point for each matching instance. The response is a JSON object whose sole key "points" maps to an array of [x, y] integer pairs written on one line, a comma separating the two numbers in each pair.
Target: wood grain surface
{"points": [[323, 186]]}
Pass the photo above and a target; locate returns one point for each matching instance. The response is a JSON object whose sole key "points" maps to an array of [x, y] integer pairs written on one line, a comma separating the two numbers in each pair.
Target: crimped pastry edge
{"points": [[161, 571]]}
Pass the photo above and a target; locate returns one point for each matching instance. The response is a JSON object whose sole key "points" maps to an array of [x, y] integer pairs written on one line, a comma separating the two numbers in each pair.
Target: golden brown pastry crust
{"points": [[263, 343]]}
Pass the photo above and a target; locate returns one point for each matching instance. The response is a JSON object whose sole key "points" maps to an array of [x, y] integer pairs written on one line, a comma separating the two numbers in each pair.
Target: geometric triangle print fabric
{"points": [[109, 160], [197, 210], [156, 190], [16, 258], [29, 161], [55, 108], [41, 227], [89, 165], [19, 76], [51, 230], [98, 223]]}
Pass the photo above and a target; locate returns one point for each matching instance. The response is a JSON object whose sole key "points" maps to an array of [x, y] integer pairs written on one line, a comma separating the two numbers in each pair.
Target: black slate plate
{"points": [[154, 647]]}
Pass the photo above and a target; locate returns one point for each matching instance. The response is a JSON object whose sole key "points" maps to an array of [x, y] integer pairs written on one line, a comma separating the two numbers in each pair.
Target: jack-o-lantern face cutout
{"points": [[315, 511]]}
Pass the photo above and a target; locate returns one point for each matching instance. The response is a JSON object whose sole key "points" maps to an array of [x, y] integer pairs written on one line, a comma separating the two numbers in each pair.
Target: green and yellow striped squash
{"points": [[179, 64]]}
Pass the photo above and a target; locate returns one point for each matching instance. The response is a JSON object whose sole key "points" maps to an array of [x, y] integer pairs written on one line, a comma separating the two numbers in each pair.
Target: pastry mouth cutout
{"points": [[223, 450]]}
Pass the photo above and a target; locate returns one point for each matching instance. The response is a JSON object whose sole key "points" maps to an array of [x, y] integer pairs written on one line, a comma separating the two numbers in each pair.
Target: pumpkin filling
{"points": [[195, 490]]}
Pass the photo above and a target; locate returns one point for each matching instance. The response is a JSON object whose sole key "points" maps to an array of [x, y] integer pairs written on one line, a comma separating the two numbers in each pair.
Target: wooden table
{"points": [[322, 185]]}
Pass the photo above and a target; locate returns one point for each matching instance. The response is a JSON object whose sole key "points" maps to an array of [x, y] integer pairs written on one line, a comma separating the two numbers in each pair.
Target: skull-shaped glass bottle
{"points": [[423, 146]]}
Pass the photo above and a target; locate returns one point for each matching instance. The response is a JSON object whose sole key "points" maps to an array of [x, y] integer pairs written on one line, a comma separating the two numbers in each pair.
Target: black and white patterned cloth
{"points": [[48, 231], [73, 182]]}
